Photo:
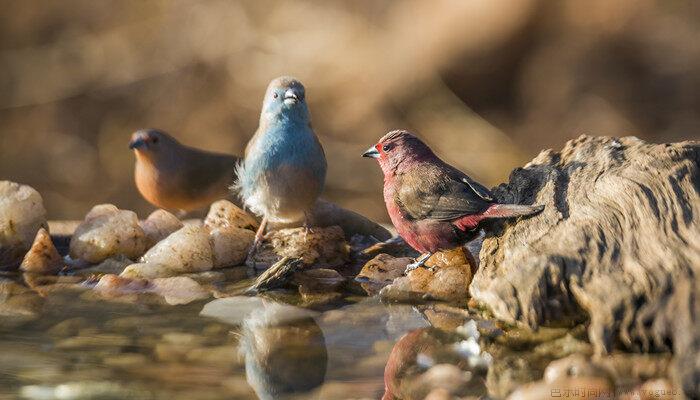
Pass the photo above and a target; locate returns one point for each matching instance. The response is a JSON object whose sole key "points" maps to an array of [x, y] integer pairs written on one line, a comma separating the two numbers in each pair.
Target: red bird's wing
{"points": [[440, 192], [477, 187]]}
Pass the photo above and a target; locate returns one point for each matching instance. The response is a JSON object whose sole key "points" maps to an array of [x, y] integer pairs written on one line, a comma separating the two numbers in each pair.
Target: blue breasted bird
{"points": [[284, 168]]}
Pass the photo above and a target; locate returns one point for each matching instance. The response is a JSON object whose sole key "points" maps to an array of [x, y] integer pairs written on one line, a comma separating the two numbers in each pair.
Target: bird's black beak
{"points": [[291, 96], [137, 143], [371, 152]]}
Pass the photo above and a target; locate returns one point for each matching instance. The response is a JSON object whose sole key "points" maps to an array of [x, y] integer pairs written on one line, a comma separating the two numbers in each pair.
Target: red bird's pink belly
{"points": [[425, 235]]}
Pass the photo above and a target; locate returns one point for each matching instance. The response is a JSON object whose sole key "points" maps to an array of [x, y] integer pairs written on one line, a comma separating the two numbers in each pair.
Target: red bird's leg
{"points": [[420, 262], [258, 239]]}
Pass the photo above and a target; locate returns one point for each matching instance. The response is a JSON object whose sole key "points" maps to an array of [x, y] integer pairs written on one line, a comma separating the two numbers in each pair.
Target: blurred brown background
{"points": [[487, 83]]}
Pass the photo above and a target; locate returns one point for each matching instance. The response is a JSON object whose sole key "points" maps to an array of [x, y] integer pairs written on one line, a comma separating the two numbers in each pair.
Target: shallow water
{"points": [[70, 343]]}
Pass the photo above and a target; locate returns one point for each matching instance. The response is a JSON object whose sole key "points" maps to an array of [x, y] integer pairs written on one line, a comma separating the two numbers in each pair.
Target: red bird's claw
{"points": [[410, 267], [415, 265]]}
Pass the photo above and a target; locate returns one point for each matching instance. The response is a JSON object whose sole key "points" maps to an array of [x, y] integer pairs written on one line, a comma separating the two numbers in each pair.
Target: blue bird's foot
{"points": [[307, 227], [250, 257], [250, 260], [420, 262]]}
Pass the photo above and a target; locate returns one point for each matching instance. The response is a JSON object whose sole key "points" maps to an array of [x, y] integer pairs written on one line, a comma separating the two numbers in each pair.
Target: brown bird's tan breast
{"points": [[190, 184]]}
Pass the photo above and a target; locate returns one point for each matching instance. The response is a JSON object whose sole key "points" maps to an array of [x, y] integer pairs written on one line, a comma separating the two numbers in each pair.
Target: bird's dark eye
{"points": [[387, 147], [275, 95], [154, 140]]}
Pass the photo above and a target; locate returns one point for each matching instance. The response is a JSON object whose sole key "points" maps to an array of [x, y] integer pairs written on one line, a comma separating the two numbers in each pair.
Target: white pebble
{"points": [[22, 213], [159, 225], [469, 329], [186, 250], [223, 213], [468, 348], [230, 245], [107, 232]]}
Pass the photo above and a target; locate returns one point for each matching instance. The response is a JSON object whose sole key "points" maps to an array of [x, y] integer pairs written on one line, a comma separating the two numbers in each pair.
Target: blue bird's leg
{"points": [[420, 262], [258, 240], [307, 226]]}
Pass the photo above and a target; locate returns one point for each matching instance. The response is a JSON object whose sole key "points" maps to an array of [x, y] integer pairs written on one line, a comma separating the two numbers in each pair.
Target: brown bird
{"points": [[173, 176], [432, 204]]}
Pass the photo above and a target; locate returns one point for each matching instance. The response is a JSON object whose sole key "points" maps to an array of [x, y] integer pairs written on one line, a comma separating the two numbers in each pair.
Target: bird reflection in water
{"points": [[284, 355], [424, 360], [296, 353]]}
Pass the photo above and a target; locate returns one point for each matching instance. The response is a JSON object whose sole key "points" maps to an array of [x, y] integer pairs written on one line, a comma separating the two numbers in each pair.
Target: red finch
{"points": [[433, 205]]}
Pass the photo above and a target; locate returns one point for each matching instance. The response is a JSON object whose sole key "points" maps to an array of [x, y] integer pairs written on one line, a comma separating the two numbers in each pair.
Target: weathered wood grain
{"points": [[618, 243]]}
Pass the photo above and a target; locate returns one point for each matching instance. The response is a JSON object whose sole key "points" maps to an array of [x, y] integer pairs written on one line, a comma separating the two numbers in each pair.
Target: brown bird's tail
{"points": [[511, 210]]}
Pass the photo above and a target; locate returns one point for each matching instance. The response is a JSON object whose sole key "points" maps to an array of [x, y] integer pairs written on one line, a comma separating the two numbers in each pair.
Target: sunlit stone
{"points": [[230, 245], [22, 213], [159, 225], [42, 258], [186, 250], [106, 232], [223, 213]]}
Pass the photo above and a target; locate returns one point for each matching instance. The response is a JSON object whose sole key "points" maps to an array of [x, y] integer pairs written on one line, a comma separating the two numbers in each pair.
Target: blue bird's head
{"points": [[285, 101]]}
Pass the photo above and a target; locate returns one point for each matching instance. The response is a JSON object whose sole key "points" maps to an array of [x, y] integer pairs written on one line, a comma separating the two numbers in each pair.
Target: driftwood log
{"points": [[618, 243]]}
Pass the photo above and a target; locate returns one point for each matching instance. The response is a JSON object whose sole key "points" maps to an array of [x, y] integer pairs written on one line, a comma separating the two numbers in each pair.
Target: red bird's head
{"points": [[397, 149]]}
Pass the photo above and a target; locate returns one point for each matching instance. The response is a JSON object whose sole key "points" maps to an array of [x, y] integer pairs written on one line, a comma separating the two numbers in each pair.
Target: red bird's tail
{"points": [[511, 210], [470, 222]]}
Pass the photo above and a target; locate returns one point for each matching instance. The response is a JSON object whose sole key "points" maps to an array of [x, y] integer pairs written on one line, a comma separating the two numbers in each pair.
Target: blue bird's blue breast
{"points": [[287, 145], [284, 171]]}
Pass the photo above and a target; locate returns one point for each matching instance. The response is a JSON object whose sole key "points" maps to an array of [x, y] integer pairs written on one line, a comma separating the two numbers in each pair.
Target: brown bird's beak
{"points": [[371, 152], [137, 143]]}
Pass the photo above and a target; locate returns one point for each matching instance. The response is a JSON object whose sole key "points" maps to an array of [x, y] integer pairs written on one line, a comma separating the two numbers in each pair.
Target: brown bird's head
{"points": [[397, 149], [150, 142]]}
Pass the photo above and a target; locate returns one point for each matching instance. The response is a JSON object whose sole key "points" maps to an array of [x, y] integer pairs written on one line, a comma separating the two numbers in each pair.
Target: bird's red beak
{"points": [[372, 152]]}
